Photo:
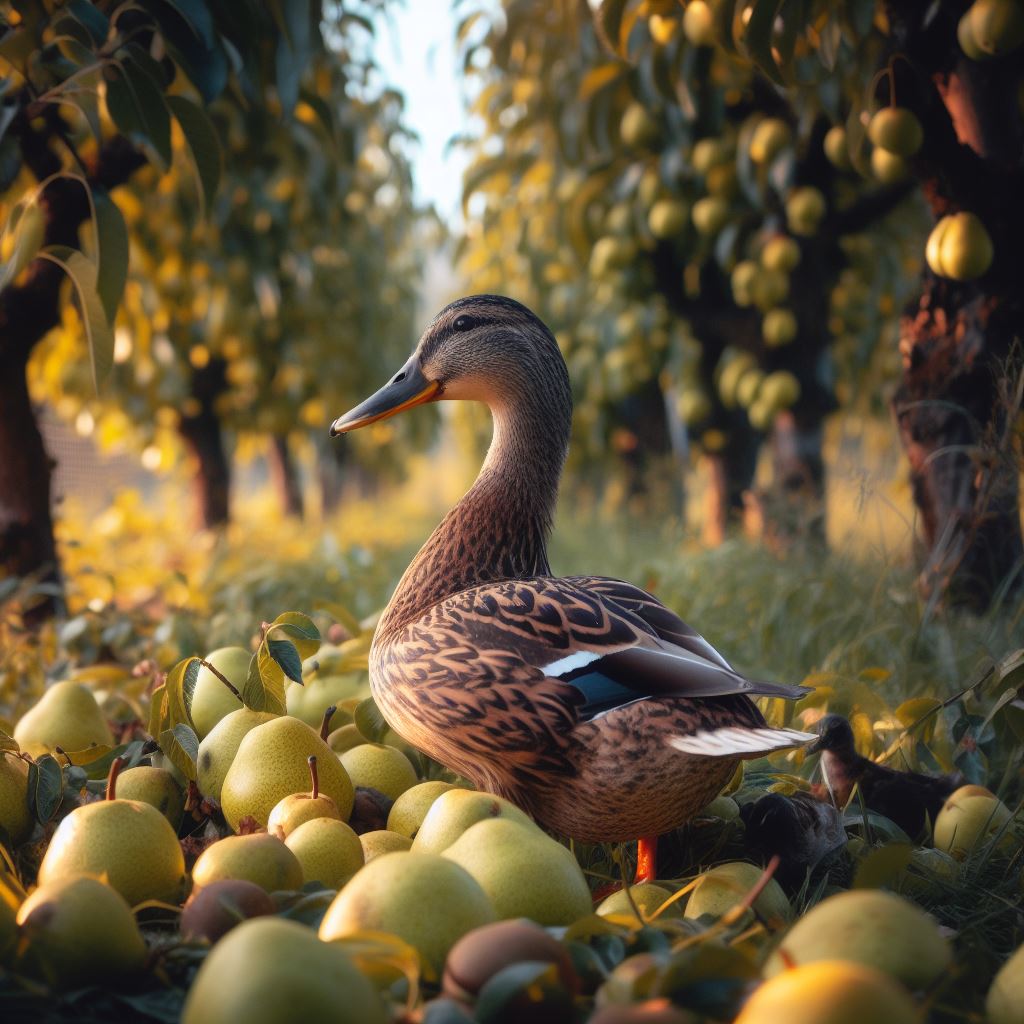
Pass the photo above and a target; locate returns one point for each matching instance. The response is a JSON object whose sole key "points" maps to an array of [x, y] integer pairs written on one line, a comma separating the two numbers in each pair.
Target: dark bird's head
{"points": [[835, 734], [484, 348]]}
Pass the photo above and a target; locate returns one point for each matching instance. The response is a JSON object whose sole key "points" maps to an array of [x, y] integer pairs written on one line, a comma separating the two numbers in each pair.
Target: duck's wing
{"points": [[592, 655]]}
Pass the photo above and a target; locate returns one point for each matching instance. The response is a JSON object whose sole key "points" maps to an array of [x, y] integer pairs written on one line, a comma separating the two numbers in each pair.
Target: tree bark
{"points": [[285, 476], [27, 547], [202, 431]]}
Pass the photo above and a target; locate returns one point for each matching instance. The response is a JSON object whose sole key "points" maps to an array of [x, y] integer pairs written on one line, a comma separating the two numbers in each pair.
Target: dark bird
{"points": [[801, 831], [582, 699], [903, 797]]}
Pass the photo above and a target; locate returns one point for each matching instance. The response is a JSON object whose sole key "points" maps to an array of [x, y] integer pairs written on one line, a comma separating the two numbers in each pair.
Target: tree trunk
{"points": [[202, 431], [27, 547], [954, 406], [285, 476]]}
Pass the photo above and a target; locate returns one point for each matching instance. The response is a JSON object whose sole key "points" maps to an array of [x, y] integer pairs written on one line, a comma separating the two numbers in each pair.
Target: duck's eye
{"points": [[463, 323]]}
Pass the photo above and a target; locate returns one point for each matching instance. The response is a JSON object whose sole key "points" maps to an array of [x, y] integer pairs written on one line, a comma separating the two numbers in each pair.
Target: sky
{"points": [[416, 52]]}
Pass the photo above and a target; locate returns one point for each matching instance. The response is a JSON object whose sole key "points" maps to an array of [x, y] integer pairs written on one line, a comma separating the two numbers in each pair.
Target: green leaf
{"points": [[369, 721], [180, 746], [131, 753], [264, 684], [45, 787], [112, 246], [29, 225], [881, 865], [285, 653], [179, 688], [201, 138], [294, 52], [757, 38], [91, 17], [82, 272], [136, 105]]}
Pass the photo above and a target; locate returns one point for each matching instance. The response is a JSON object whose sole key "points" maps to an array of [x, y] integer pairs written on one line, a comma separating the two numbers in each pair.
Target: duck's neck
{"points": [[499, 530]]}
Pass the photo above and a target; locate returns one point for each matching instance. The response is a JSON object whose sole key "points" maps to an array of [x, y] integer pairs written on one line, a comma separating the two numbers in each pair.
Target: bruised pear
{"points": [[212, 911]]}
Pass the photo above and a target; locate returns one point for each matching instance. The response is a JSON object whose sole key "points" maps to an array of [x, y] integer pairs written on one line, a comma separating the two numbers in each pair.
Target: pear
{"points": [[871, 927], [259, 858], [379, 767], [81, 932], [66, 716], [307, 701], [328, 850], [829, 992], [970, 818], [211, 912], [1004, 1003], [293, 810], [15, 820], [270, 970], [723, 886], [524, 872], [271, 764], [156, 787], [211, 699], [218, 749], [345, 738], [428, 901], [410, 808], [128, 841], [646, 897], [455, 811], [381, 840]]}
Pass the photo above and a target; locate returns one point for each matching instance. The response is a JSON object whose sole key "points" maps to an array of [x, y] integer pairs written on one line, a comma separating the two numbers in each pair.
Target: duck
{"points": [[583, 700], [907, 799]]}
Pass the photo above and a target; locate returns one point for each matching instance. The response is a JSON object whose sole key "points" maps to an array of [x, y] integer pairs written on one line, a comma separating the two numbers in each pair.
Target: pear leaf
{"points": [[45, 788]]}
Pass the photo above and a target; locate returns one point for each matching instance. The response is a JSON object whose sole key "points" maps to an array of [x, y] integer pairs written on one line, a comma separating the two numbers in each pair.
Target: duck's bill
{"points": [[408, 388]]}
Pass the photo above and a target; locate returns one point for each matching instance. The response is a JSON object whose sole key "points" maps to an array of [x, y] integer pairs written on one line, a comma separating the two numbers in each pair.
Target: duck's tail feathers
{"points": [[735, 741]]}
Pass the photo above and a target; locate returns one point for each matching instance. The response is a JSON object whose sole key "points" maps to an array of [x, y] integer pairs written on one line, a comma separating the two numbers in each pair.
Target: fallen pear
{"points": [[380, 841], [328, 851], [217, 750], [156, 787], [644, 897], [724, 886], [427, 900], [259, 858], [1004, 1003], [67, 716], [410, 808], [270, 970], [212, 911], [452, 813], [293, 810], [380, 767], [211, 699], [15, 819], [969, 820]]}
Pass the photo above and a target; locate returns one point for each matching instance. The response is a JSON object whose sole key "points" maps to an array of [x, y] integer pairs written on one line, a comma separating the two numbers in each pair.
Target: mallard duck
{"points": [[902, 797], [582, 699]]}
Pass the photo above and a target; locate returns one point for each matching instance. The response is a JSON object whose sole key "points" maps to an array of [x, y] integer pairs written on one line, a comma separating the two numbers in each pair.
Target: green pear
{"points": [[156, 787], [81, 932], [66, 716], [1004, 1003], [309, 700], [381, 840], [410, 808], [524, 872], [218, 748], [455, 811], [271, 970], [719, 889], [379, 767], [344, 738], [292, 810], [271, 763], [211, 699], [328, 850], [646, 897], [427, 900], [130, 842], [15, 820], [259, 858]]}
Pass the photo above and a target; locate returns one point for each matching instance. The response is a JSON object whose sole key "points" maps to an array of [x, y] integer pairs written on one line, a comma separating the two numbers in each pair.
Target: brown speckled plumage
{"points": [[569, 696]]}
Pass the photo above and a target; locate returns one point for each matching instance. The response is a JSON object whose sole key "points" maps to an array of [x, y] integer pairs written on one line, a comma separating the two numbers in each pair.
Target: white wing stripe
{"points": [[571, 662], [733, 741]]}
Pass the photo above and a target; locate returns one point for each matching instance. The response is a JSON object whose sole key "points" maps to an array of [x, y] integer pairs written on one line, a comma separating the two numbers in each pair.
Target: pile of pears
{"points": [[308, 872]]}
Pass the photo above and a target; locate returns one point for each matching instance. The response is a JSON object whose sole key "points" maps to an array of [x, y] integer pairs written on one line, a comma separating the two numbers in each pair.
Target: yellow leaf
{"points": [[875, 675]]}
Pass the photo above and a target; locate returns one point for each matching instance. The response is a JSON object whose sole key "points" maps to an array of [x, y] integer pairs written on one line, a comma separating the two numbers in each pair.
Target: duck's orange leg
{"points": [[646, 859]]}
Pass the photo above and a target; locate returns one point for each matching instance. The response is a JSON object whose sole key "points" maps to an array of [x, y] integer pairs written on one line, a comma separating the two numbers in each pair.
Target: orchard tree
{"points": [[723, 171]]}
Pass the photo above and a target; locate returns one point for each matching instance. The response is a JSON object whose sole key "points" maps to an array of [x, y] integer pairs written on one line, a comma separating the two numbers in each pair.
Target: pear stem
{"points": [[220, 675], [115, 769], [314, 775], [325, 723]]}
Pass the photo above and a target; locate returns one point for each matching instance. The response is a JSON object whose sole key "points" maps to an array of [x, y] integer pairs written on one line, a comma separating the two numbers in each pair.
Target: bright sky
{"points": [[416, 52]]}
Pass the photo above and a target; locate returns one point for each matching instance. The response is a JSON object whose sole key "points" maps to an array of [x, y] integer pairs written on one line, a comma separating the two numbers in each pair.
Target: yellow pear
{"points": [[309, 700], [328, 851], [81, 932], [829, 992], [211, 699], [457, 810], [15, 820], [871, 927], [382, 840], [292, 810], [968, 820], [156, 787], [379, 767], [344, 738], [428, 901], [524, 872], [269, 970], [1004, 1003], [646, 897], [66, 716], [723, 886], [259, 858], [218, 748], [271, 764], [128, 841], [410, 808]]}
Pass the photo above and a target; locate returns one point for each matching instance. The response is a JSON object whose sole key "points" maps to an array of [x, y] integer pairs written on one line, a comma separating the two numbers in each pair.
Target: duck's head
{"points": [[484, 348], [834, 733]]}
